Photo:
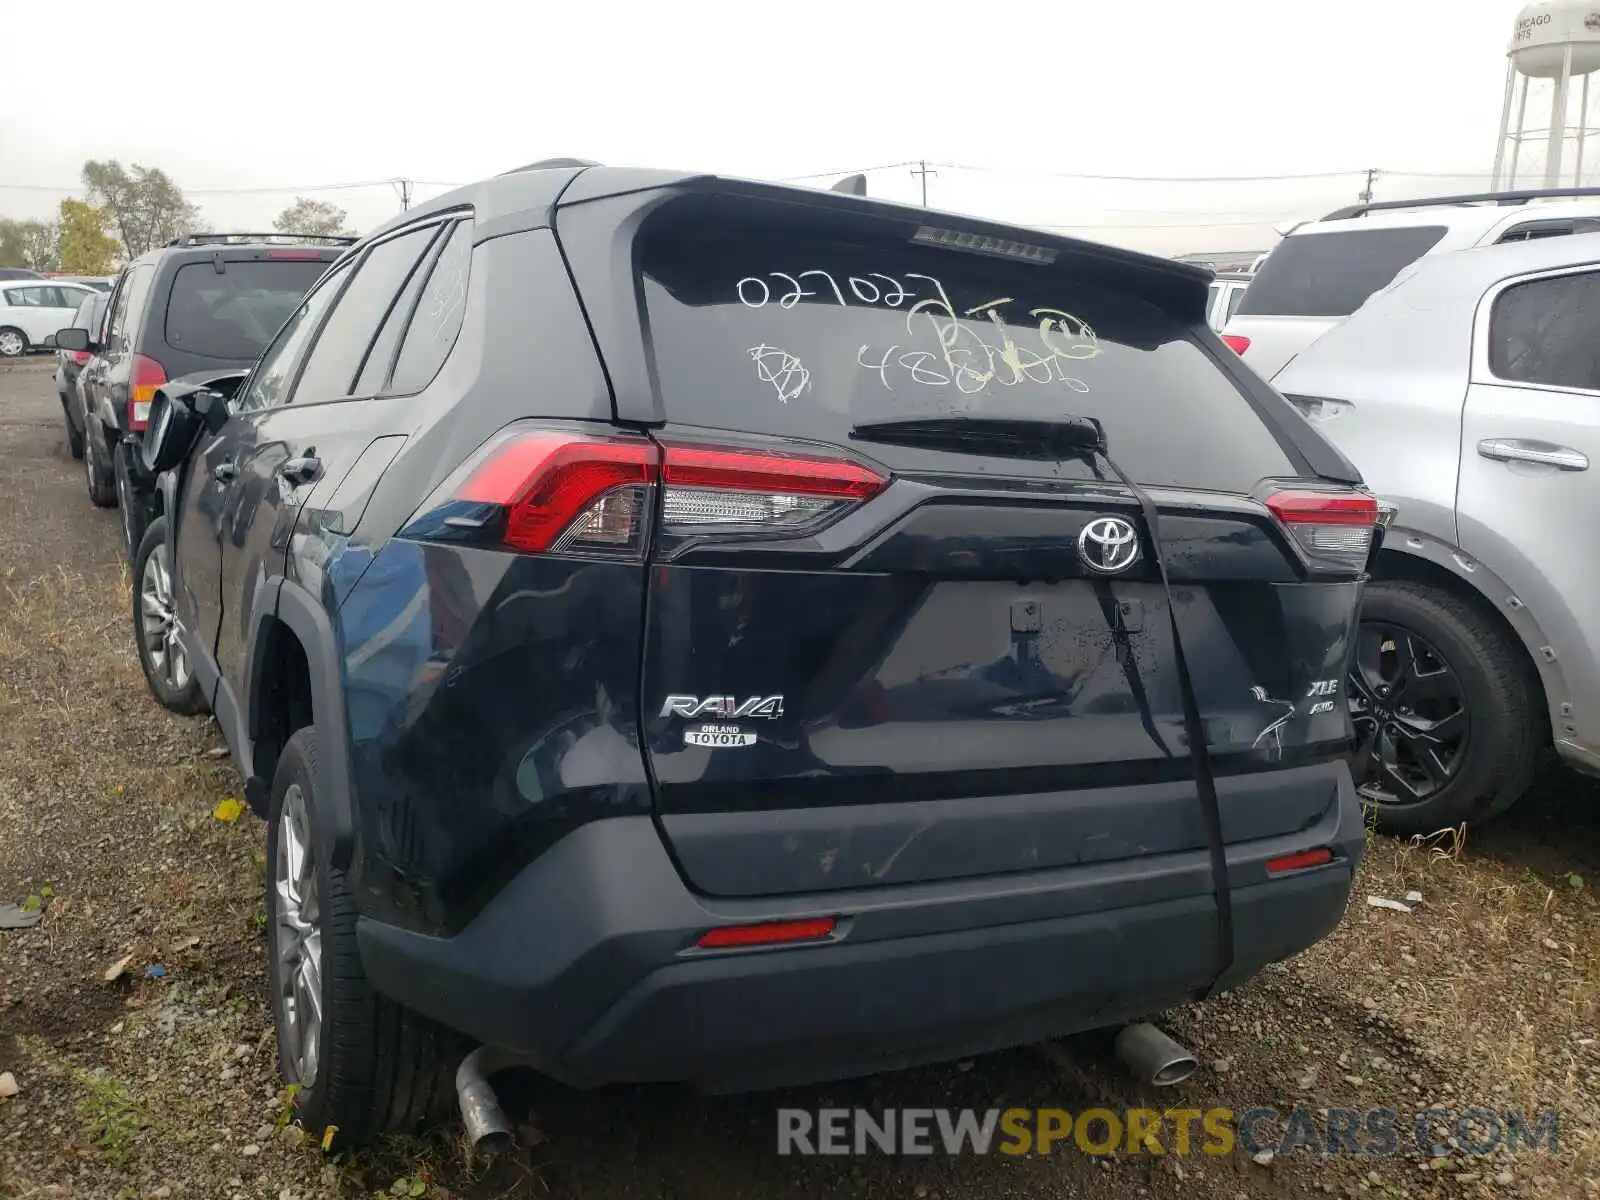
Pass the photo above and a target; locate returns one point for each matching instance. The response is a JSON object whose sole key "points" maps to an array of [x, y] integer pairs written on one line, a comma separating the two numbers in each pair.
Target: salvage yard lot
{"points": [[160, 1081]]}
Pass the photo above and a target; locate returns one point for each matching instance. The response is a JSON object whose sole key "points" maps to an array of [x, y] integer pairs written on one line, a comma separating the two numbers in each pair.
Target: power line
{"points": [[851, 171], [249, 191], [1153, 178], [1258, 223]]}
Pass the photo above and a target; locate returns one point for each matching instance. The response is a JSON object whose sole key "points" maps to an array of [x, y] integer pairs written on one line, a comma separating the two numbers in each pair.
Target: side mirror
{"points": [[212, 409], [71, 339], [176, 419]]}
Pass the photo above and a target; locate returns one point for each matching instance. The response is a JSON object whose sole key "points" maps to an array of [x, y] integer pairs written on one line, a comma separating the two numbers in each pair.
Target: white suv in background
{"points": [[30, 313], [1324, 270]]}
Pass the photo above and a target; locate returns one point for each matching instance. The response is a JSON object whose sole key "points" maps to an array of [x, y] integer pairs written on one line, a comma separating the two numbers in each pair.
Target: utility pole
{"points": [[403, 186], [1366, 193], [923, 171]]}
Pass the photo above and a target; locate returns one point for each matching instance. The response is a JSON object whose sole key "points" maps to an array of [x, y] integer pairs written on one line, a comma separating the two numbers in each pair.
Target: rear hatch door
{"points": [[894, 631], [222, 309]]}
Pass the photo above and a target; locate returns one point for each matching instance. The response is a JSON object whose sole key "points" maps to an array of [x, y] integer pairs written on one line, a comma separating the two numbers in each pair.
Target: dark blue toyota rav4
{"points": [[680, 628]]}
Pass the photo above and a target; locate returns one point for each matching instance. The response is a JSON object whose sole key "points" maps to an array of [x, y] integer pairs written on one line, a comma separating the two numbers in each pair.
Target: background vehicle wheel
{"points": [[133, 507], [1448, 721], [362, 1062], [156, 631], [13, 343], [74, 435], [96, 468]]}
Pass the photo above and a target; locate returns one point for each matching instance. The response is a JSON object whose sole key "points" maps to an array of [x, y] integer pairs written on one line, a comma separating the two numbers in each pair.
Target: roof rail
{"points": [[545, 164], [213, 239], [1502, 198]]}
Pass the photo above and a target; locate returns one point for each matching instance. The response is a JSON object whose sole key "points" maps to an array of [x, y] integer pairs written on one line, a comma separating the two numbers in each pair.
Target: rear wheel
{"points": [[1445, 711], [362, 1064], [156, 629], [97, 467], [13, 343]]}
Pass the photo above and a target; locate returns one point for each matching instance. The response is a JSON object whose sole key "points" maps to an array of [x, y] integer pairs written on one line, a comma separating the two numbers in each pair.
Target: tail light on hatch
{"points": [[147, 376], [1329, 527], [1236, 342], [542, 490]]}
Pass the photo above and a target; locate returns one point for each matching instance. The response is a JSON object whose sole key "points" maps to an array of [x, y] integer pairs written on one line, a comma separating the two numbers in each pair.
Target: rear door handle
{"points": [[1545, 453], [301, 470], [225, 472]]}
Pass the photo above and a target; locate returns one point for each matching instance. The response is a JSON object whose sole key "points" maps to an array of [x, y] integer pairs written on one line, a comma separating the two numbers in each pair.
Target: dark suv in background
{"points": [[201, 307], [690, 629], [90, 318]]}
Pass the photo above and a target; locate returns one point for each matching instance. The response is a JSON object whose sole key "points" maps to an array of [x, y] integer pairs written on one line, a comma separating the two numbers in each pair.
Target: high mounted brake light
{"points": [[545, 490], [1331, 527]]}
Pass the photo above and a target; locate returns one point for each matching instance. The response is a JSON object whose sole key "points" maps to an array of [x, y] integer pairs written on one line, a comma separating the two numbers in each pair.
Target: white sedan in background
{"points": [[30, 314]]}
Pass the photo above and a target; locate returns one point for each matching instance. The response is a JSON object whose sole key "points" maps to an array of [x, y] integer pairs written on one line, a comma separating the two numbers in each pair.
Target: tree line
{"points": [[125, 212]]}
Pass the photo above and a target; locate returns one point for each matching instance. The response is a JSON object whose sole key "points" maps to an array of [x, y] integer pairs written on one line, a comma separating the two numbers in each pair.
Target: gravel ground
{"points": [[134, 1026]]}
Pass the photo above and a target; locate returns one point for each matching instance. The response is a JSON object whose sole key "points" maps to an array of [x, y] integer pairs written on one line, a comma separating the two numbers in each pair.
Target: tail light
{"points": [[147, 376], [1236, 342], [81, 357], [1329, 527], [542, 490], [742, 492]]}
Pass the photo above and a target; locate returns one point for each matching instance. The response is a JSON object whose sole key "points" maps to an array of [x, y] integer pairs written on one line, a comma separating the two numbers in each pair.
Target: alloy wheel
{"points": [[299, 943], [1410, 714], [11, 344], [159, 620]]}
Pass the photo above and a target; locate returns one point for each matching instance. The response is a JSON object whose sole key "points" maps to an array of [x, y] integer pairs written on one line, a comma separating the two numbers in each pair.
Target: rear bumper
{"points": [[586, 962]]}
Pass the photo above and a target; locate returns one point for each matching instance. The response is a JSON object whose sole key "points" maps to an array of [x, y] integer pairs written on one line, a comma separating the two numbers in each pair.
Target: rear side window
{"points": [[1332, 274], [131, 299], [234, 315], [778, 332], [441, 306], [331, 368], [1547, 331]]}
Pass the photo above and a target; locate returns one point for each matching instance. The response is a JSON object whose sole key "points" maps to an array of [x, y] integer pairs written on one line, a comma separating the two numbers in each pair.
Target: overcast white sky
{"points": [[287, 95]]}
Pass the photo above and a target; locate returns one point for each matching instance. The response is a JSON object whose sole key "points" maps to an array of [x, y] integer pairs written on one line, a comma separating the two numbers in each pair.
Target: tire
{"points": [[156, 629], [1491, 748], [133, 507], [373, 1066], [13, 342], [74, 434], [96, 467]]}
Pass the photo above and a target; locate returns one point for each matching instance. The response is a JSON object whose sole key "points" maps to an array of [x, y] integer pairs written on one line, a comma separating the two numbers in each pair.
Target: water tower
{"points": [[1544, 127]]}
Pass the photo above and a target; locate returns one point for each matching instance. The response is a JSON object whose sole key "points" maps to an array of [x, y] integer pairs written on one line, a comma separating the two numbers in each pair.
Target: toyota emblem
{"points": [[1108, 545]]}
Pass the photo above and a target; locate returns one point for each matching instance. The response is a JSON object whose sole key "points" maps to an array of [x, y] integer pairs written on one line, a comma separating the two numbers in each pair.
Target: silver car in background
{"points": [[1468, 393]]}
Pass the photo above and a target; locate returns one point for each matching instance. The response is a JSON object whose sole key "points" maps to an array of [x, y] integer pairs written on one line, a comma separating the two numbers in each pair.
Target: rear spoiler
{"points": [[1179, 288]]}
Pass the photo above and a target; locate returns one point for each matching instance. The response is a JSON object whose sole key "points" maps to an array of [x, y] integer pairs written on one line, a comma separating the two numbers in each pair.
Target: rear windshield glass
{"points": [[1332, 274], [235, 314], [806, 336]]}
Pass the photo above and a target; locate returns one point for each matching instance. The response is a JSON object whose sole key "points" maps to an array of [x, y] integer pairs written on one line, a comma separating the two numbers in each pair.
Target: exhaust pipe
{"points": [[1152, 1056], [487, 1127]]}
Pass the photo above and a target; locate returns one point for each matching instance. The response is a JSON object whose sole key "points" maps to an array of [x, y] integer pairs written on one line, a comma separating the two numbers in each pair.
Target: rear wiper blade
{"points": [[999, 437]]}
